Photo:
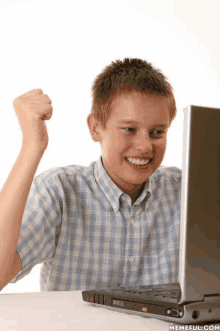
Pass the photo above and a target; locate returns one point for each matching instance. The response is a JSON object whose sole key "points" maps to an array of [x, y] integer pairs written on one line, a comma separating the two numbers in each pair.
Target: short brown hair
{"points": [[127, 76]]}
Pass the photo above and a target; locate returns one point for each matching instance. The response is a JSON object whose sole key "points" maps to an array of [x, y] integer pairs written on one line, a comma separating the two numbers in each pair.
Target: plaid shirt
{"points": [[87, 234]]}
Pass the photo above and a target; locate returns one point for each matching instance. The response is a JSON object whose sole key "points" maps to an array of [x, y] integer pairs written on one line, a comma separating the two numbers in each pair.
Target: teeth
{"points": [[137, 161]]}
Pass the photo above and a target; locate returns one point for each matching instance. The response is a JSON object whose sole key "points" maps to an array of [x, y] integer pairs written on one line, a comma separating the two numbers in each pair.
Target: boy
{"points": [[113, 222]]}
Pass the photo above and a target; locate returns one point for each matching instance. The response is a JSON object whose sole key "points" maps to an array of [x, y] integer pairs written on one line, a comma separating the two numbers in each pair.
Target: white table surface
{"points": [[66, 311]]}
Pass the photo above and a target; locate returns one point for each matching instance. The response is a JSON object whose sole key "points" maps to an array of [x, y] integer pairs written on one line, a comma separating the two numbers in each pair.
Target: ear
{"points": [[94, 127]]}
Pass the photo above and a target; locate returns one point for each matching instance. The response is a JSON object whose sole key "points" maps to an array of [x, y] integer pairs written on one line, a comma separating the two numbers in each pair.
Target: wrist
{"points": [[34, 148]]}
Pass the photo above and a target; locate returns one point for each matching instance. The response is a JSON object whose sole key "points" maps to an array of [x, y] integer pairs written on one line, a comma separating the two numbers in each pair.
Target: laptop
{"points": [[196, 298]]}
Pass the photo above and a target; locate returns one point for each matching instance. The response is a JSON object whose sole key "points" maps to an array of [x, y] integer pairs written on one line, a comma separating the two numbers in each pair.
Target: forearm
{"points": [[13, 198]]}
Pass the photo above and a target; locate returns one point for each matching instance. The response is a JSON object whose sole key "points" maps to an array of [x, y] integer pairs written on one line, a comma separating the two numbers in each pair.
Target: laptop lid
{"points": [[199, 264]]}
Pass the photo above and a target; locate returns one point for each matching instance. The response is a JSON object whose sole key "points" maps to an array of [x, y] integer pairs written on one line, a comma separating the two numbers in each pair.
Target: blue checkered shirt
{"points": [[85, 232]]}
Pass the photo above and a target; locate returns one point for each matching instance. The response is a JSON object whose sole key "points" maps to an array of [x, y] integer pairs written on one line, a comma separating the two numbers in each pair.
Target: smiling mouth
{"points": [[141, 163]]}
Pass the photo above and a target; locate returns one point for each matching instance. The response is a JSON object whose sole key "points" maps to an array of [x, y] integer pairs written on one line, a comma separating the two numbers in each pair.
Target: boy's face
{"points": [[136, 131]]}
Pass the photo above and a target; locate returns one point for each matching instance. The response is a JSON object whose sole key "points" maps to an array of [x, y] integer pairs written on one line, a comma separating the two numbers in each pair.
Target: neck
{"points": [[135, 195]]}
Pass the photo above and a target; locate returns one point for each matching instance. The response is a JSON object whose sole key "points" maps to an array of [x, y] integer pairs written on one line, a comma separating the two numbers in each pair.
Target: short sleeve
{"points": [[40, 226]]}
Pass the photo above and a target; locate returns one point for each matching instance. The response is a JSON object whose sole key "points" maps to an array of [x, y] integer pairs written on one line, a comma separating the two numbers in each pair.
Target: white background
{"points": [[61, 46]]}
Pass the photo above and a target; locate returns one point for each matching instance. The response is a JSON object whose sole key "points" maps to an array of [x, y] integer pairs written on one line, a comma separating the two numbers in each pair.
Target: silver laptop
{"points": [[196, 298]]}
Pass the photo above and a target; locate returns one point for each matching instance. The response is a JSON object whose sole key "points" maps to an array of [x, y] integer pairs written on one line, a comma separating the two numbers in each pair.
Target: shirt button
{"points": [[132, 222], [132, 259]]}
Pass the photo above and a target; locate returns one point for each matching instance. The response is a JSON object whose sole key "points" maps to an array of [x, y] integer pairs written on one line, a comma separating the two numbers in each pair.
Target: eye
{"points": [[158, 133], [128, 129]]}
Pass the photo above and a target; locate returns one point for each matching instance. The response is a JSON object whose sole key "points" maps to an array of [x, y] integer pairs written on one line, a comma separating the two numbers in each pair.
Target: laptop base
{"points": [[163, 308]]}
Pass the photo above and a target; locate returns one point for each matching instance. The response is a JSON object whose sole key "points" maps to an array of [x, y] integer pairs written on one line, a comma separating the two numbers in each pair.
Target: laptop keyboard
{"points": [[163, 291]]}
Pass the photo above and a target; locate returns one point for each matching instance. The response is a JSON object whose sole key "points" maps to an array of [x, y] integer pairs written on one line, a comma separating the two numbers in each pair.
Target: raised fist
{"points": [[32, 109]]}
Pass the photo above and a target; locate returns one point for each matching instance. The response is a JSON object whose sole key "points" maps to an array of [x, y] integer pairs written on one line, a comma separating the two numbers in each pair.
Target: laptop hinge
{"points": [[212, 297]]}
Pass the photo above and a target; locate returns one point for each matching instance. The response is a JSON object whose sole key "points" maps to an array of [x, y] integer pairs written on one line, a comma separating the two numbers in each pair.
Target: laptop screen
{"points": [[200, 205]]}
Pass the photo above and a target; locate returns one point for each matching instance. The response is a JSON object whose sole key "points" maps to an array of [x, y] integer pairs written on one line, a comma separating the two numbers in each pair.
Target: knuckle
{"points": [[39, 91], [35, 91], [47, 98], [16, 101]]}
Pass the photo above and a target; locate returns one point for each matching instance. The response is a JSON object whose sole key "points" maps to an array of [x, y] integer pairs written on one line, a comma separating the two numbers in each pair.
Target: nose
{"points": [[143, 142]]}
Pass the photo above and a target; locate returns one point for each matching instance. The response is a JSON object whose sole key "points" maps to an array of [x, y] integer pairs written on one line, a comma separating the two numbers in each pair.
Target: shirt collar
{"points": [[112, 191]]}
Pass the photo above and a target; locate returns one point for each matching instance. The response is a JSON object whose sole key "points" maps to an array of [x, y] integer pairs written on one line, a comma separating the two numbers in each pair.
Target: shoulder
{"points": [[167, 172], [166, 185], [65, 175]]}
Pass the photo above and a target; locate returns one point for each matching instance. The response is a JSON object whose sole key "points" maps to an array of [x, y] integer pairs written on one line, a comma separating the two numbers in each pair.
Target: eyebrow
{"points": [[164, 125]]}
